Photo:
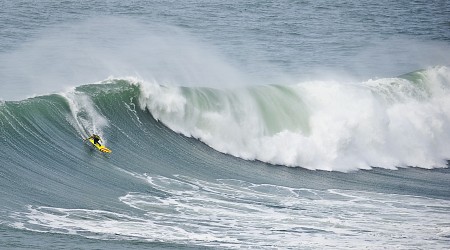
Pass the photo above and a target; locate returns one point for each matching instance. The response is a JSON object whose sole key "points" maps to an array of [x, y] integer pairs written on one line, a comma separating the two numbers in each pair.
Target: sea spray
{"points": [[91, 50]]}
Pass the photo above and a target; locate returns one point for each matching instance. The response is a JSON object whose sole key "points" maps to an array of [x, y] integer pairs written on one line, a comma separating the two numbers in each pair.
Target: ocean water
{"points": [[232, 125]]}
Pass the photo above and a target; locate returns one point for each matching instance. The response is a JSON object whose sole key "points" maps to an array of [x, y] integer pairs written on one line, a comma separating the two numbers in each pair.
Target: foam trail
{"points": [[84, 116], [388, 122]]}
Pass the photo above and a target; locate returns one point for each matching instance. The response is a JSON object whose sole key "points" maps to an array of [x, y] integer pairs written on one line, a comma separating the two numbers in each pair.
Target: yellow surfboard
{"points": [[100, 147]]}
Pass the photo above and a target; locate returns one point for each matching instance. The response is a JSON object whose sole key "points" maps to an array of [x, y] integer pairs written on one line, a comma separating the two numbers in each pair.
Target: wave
{"points": [[319, 125]]}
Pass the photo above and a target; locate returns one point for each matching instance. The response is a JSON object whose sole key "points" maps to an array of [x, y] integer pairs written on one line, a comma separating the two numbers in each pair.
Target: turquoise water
{"points": [[265, 124]]}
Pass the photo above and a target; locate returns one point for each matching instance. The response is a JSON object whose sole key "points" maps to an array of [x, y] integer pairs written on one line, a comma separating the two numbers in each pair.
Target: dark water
{"points": [[265, 124]]}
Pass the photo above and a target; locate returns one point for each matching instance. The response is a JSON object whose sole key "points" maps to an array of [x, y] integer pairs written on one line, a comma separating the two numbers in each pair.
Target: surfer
{"points": [[96, 139]]}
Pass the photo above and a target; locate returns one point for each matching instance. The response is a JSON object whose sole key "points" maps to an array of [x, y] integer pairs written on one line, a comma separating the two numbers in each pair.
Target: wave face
{"points": [[386, 123]]}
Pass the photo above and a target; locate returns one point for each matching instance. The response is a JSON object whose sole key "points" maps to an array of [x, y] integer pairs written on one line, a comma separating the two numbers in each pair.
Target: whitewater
{"points": [[387, 122], [258, 125]]}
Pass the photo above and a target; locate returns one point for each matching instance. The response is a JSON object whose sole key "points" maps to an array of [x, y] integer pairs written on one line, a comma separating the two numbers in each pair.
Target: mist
{"points": [[91, 51], [399, 55], [71, 54]]}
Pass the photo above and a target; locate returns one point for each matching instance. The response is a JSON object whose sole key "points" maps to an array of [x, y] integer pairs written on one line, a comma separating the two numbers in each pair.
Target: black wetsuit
{"points": [[96, 139]]}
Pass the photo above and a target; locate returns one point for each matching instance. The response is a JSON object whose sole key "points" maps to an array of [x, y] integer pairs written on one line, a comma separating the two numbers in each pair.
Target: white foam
{"points": [[236, 214], [388, 123]]}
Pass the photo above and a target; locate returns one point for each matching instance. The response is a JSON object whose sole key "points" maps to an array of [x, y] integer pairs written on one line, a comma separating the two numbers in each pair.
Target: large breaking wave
{"points": [[321, 125], [160, 186]]}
